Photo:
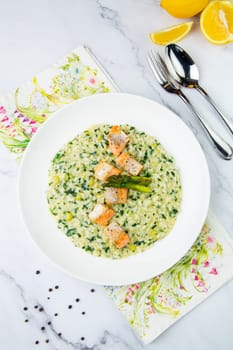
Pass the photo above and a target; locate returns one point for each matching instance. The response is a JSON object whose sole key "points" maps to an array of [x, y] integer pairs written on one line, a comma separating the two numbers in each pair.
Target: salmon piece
{"points": [[129, 164], [116, 195], [117, 140], [104, 170], [113, 231], [122, 241], [117, 235], [101, 214]]}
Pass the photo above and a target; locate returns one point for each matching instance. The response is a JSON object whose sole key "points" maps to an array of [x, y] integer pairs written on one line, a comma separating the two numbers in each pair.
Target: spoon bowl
{"points": [[182, 66]]}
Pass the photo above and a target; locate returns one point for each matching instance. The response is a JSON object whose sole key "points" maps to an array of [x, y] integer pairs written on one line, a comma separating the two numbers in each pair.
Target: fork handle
{"points": [[223, 148], [226, 120]]}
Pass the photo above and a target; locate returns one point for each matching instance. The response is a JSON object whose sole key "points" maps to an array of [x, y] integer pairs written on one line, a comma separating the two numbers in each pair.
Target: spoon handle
{"points": [[223, 148], [226, 120]]}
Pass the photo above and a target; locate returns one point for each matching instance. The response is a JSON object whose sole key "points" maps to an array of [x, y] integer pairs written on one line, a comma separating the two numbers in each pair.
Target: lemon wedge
{"points": [[171, 34]]}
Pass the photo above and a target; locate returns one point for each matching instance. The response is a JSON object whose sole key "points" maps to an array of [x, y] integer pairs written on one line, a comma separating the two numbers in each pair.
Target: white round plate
{"points": [[149, 117]]}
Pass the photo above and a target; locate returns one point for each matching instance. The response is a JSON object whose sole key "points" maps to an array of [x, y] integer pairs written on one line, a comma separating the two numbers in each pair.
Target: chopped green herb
{"points": [[58, 157], [71, 232], [71, 191]]}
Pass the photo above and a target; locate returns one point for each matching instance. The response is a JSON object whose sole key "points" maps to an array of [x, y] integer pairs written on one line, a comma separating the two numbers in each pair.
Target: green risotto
{"points": [[73, 192]]}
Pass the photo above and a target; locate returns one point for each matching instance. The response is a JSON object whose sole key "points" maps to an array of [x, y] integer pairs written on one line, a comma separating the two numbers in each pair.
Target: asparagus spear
{"points": [[137, 183], [143, 180]]}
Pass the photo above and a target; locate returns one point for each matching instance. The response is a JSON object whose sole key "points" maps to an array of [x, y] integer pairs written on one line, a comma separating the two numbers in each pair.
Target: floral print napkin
{"points": [[21, 113], [154, 305]]}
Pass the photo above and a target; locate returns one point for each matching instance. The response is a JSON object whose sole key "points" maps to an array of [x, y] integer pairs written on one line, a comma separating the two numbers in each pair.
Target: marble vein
{"points": [[113, 18]]}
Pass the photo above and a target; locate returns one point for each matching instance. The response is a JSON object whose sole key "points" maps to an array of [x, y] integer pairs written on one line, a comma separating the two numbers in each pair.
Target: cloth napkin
{"points": [[152, 306]]}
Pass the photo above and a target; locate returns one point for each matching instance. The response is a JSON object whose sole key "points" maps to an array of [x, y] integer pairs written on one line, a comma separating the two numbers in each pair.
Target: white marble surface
{"points": [[33, 35]]}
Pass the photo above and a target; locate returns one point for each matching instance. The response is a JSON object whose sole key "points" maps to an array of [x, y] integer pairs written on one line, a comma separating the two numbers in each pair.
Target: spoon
{"points": [[184, 70]]}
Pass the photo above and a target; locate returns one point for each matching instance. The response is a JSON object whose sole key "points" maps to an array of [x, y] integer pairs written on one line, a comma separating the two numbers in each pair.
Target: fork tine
{"points": [[154, 67], [164, 71], [160, 64], [163, 65], [167, 73]]}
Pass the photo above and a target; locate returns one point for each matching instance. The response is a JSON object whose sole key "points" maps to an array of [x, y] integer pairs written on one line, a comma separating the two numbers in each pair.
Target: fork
{"points": [[159, 68]]}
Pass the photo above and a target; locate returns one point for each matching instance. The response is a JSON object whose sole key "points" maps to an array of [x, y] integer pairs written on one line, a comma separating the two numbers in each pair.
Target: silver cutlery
{"points": [[163, 77], [184, 70]]}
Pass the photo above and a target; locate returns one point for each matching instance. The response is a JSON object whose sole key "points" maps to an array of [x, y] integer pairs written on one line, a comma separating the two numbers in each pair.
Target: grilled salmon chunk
{"points": [[128, 163], [117, 140], [101, 214], [116, 235], [116, 195], [104, 170]]}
